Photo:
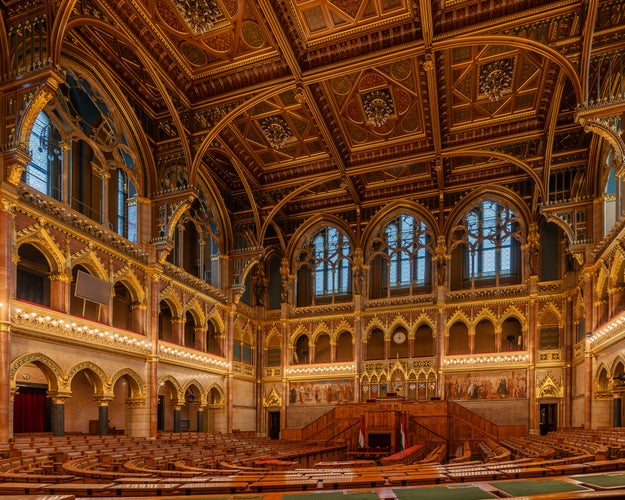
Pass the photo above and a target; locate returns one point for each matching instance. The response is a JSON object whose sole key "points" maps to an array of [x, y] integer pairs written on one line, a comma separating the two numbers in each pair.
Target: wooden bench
{"points": [[406, 456]]}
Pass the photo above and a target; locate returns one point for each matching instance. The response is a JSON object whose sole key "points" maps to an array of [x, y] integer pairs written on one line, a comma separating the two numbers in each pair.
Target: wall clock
{"points": [[399, 337]]}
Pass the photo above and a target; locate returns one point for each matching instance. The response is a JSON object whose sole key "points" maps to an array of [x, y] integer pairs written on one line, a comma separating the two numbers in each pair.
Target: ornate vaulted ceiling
{"points": [[307, 69]]}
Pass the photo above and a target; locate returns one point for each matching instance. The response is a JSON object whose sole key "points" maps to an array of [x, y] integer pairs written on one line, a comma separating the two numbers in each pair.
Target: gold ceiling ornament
{"points": [[495, 78], [378, 106], [276, 130], [199, 15]]}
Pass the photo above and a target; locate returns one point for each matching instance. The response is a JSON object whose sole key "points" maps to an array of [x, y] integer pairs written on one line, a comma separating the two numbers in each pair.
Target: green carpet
{"points": [[336, 495], [239, 497], [533, 487], [443, 492], [610, 480]]}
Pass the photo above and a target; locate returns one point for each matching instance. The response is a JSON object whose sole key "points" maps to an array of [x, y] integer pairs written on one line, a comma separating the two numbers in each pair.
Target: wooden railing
{"points": [[430, 422]]}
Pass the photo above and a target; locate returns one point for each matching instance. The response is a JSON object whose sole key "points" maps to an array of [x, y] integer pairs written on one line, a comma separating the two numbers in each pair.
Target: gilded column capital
{"points": [[62, 277], [59, 397]]}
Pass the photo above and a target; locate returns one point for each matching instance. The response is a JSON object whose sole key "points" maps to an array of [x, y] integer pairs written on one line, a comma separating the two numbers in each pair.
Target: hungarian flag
{"points": [[402, 433], [361, 433]]}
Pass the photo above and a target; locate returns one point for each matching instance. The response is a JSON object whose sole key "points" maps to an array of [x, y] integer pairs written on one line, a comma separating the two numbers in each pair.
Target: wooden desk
{"points": [[345, 464], [156, 489], [209, 487], [368, 453], [416, 478], [77, 489], [519, 472], [22, 488], [278, 484], [568, 468], [606, 465], [474, 475]]}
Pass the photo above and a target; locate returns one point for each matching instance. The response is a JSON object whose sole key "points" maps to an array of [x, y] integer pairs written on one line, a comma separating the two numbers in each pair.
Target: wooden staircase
{"points": [[430, 422]]}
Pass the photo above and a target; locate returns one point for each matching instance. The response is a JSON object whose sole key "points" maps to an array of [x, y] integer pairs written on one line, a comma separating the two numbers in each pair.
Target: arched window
{"points": [[424, 341], [603, 381], [344, 347], [609, 201], [324, 267], [165, 318], [401, 257], [511, 335], [124, 204], [458, 339], [122, 306], [213, 342], [195, 246], [323, 349], [486, 248], [375, 344], [189, 330], [44, 171], [484, 337], [33, 276], [300, 352]]}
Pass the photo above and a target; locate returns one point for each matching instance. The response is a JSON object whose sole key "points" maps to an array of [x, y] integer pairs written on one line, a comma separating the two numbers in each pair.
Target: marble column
{"points": [[200, 419], [103, 418], [58, 415], [617, 411], [177, 418]]}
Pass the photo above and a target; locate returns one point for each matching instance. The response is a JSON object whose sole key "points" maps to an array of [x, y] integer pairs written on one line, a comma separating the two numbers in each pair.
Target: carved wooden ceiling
{"points": [[308, 69]]}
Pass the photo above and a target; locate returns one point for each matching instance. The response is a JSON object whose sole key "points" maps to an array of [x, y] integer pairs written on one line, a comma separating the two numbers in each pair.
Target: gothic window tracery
{"points": [[486, 249], [44, 171], [324, 267], [401, 257]]}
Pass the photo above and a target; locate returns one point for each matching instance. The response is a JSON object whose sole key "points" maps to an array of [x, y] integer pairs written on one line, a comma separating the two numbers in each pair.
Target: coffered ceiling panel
{"points": [[344, 107]]}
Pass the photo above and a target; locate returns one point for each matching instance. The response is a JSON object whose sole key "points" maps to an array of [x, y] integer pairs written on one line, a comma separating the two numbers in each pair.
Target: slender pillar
{"points": [[228, 351], [104, 204], [588, 386], [152, 359], [357, 352], [530, 344], [103, 418], [176, 418], [177, 330], [441, 339], [617, 411], [200, 419], [65, 179], [286, 357], [58, 416], [199, 335], [60, 285]]}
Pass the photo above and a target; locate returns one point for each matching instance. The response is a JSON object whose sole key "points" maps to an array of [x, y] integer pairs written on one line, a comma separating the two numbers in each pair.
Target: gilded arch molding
{"points": [[57, 379]]}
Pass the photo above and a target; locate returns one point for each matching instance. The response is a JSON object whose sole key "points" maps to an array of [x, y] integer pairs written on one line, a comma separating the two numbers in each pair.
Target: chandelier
{"points": [[200, 15], [276, 130], [378, 106], [495, 78]]}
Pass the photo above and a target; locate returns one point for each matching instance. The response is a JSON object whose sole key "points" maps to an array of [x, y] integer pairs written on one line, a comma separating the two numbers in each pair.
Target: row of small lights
{"points": [[615, 325], [487, 359], [319, 369], [73, 327], [194, 357]]}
